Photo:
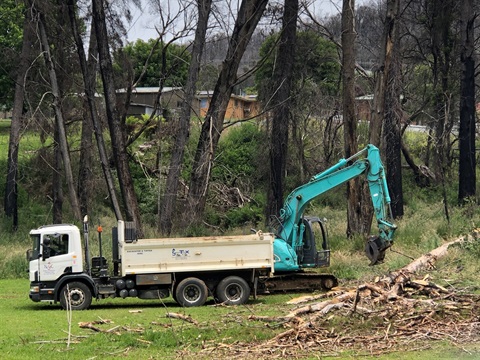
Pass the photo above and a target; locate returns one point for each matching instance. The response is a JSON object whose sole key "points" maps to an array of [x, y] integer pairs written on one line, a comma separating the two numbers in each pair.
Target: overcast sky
{"points": [[143, 24]]}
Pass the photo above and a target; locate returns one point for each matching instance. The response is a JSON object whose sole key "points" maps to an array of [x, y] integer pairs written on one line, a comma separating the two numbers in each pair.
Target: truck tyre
{"points": [[191, 292], [79, 294], [233, 290]]}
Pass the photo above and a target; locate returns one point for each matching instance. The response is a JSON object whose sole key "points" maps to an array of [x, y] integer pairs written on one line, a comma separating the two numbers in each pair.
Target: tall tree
{"points": [[11, 193], [467, 164], [282, 83], [88, 68], [386, 108], [442, 48], [115, 125], [248, 16], [182, 135], [356, 203], [392, 110], [61, 135]]}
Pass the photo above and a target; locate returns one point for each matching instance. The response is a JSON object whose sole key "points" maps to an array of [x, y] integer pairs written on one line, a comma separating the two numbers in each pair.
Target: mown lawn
{"points": [[138, 329]]}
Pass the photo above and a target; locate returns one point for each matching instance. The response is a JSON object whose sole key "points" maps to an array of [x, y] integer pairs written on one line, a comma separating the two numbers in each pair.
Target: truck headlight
{"points": [[34, 289]]}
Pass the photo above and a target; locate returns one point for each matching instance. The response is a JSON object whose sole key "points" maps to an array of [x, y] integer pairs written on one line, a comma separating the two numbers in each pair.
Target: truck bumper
{"points": [[34, 297], [37, 293]]}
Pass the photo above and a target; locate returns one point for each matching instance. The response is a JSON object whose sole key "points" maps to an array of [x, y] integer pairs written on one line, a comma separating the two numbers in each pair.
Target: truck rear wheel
{"points": [[191, 292], [75, 296], [233, 290]]}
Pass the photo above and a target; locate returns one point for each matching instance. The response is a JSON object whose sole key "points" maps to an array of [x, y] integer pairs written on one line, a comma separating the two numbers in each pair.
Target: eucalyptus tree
{"points": [[356, 203], [467, 155], [91, 121], [386, 109], [182, 135], [248, 15], [60, 130], [282, 78], [117, 133], [13, 37]]}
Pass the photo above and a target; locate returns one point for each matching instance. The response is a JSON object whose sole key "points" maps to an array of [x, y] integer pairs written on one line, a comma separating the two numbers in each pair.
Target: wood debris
{"points": [[182, 317], [398, 312]]}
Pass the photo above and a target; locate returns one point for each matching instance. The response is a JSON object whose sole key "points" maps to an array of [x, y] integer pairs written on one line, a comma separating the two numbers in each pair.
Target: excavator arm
{"points": [[366, 162]]}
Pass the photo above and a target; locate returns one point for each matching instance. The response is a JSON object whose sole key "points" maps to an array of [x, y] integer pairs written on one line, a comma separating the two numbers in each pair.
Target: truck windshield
{"points": [[35, 251]]}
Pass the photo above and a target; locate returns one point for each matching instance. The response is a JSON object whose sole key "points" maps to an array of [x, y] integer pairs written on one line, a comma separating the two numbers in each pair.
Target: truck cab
{"points": [[56, 251]]}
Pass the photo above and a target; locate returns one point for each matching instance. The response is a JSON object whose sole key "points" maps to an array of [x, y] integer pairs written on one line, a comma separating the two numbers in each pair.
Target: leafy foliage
{"points": [[316, 61], [10, 42], [176, 59], [239, 167]]}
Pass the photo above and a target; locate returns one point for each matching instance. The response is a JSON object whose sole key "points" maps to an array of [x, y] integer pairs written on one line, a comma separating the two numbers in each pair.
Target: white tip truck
{"points": [[228, 267]]}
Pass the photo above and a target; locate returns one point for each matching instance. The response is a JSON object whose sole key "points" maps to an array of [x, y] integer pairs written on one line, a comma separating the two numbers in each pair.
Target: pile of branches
{"points": [[395, 313]]}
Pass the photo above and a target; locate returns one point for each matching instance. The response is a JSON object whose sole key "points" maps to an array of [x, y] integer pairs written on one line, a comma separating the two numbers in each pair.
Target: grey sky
{"points": [[143, 25]]}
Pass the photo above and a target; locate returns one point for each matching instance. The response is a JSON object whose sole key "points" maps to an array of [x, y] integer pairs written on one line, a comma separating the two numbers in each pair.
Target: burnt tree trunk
{"points": [[11, 193], [356, 203], [181, 137], [283, 78], [248, 17], [59, 120], [392, 110], [89, 77], [114, 122], [467, 173]]}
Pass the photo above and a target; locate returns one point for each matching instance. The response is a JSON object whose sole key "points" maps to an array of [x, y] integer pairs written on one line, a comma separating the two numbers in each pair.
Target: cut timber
{"points": [[402, 275], [182, 317], [389, 287]]}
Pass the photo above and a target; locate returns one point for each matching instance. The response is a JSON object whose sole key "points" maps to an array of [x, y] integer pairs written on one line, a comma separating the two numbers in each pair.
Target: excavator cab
{"points": [[310, 255]]}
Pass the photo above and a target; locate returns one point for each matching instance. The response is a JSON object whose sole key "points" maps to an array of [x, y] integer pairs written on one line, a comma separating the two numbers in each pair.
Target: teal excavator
{"points": [[295, 245]]}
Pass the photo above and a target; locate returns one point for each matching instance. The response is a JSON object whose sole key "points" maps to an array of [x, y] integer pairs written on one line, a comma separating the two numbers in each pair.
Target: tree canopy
{"points": [[316, 61], [11, 19], [149, 57]]}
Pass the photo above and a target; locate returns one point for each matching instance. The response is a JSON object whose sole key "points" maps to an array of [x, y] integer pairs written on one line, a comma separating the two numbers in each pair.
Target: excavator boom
{"points": [[366, 162]]}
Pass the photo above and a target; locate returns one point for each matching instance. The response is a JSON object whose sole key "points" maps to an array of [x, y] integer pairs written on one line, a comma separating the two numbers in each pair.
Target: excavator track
{"points": [[304, 281]]}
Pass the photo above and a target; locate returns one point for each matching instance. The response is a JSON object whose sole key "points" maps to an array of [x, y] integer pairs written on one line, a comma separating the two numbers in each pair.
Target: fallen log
{"points": [[427, 260]]}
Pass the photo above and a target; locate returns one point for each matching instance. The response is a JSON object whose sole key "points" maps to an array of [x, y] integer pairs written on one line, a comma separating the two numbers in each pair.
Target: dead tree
{"points": [[116, 131], [60, 121], [248, 17]]}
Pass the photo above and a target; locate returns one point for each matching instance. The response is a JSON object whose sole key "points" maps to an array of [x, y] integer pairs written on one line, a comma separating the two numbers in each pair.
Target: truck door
{"points": [[56, 258]]}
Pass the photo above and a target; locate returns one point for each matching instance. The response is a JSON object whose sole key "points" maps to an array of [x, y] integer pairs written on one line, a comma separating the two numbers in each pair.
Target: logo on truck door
{"points": [[180, 253]]}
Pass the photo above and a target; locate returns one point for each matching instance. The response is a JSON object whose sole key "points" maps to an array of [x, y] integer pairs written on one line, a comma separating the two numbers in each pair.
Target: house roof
{"points": [[150, 90]]}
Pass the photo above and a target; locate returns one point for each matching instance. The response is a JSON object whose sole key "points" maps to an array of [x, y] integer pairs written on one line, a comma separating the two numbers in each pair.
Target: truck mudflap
{"points": [[304, 281]]}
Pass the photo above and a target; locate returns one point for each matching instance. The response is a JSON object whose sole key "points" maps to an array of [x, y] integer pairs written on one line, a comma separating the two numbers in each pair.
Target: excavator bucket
{"points": [[375, 250]]}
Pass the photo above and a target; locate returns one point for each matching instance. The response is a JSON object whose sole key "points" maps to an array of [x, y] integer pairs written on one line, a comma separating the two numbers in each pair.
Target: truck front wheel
{"points": [[191, 292], [75, 296], [233, 290]]}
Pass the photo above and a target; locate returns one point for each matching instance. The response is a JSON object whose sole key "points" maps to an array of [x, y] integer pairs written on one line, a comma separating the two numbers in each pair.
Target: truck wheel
{"points": [[79, 295], [233, 290], [191, 292]]}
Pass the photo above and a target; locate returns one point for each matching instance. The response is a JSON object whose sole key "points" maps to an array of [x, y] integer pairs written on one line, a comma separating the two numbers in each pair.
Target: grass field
{"points": [[139, 329]]}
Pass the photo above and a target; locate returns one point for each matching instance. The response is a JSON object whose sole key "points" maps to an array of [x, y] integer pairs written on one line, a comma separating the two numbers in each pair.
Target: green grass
{"points": [[141, 329], [36, 330]]}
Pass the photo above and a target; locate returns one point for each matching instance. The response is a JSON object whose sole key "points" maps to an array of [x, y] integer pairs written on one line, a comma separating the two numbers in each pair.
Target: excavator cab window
{"points": [[316, 252]]}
